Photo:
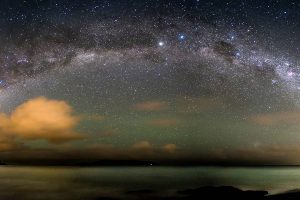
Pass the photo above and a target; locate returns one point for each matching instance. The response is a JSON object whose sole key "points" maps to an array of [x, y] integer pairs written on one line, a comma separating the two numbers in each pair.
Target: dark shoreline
{"points": [[139, 164], [213, 192]]}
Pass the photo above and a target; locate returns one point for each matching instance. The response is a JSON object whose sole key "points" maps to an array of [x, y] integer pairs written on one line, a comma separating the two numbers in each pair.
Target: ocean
{"points": [[50, 183]]}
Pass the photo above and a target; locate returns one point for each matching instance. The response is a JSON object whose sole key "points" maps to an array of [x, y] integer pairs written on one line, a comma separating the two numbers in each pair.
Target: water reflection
{"points": [[50, 183]]}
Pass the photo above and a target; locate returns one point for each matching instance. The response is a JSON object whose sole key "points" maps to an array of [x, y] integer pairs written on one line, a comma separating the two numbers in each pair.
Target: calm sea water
{"points": [[93, 183]]}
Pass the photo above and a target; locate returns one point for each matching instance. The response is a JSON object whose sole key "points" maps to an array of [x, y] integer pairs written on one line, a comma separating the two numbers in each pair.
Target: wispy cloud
{"points": [[197, 104], [163, 122], [170, 148], [261, 154], [142, 145], [93, 117], [277, 118], [151, 106]]}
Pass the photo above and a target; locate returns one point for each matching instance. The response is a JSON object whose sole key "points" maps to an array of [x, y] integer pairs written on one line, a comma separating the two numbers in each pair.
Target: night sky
{"points": [[171, 81]]}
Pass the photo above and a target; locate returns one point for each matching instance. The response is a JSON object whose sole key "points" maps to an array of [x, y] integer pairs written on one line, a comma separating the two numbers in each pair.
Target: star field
{"points": [[179, 76]]}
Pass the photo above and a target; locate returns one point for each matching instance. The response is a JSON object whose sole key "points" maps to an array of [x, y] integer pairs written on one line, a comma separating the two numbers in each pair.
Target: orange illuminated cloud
{"points": [[41, 118]]}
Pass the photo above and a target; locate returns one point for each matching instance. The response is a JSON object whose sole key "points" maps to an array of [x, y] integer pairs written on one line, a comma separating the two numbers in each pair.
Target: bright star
{"points": [[161, 43], [181, 37]]}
